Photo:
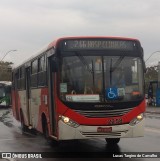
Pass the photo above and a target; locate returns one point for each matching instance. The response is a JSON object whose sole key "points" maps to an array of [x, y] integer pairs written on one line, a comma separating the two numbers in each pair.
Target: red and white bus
{"points": [[82, 88]]}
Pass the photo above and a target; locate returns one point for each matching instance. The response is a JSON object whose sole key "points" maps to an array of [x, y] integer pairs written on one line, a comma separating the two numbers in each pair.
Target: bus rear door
{"points": [[28, 94]]}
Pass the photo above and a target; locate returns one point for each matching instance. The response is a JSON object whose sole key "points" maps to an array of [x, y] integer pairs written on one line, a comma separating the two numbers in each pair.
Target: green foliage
{"points": [[150, 75], [5, 71]]}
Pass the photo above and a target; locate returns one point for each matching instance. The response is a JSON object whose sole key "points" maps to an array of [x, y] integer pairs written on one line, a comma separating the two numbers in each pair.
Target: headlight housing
{"points": [[68, 121], [136, 120]]}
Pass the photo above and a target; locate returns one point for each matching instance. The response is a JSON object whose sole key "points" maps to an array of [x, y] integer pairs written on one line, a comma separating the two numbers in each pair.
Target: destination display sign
{"points": [[99, 45]]}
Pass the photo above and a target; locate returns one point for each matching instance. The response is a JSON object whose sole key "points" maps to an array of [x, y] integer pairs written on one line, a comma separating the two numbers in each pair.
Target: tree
{"points": [[5, 71], [151, 75]]}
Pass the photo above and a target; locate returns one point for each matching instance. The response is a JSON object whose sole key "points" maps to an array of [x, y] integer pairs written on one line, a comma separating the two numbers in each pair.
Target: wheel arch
{"points": [[43, 121]]}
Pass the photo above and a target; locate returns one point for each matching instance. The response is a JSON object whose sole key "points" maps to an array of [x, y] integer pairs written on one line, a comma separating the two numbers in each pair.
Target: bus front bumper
{"points": [[67, 132]]}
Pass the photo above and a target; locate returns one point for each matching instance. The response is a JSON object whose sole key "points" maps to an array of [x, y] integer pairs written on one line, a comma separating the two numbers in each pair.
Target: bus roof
{"points": [[54, 43]]}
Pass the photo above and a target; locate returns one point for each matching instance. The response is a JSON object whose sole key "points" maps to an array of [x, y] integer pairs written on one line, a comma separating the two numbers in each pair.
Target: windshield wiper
{"points": [[84, 62], [116, 64], [89, 69], [114, 67]]}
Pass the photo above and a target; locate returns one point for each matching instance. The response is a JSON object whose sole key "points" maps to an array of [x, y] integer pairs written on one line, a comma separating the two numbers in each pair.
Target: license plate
{"points": [[104, 129]]}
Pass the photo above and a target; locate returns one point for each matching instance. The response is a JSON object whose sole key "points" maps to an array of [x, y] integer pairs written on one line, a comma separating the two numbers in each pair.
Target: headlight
{"points": [[136, 120], [68, 121]]}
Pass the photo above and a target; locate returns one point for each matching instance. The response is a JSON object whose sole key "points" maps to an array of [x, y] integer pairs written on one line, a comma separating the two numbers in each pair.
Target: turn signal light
{"points": [[136, 120], [68, 121]]}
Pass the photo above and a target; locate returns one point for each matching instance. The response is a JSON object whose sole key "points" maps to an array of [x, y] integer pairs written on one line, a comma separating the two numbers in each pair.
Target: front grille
{"points": [[103, 113], [96, 134]]}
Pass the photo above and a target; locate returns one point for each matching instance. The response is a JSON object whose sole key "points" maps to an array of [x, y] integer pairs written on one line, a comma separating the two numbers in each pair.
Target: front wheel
{"points": [[49, 141], [112, 141], [46, 131]]}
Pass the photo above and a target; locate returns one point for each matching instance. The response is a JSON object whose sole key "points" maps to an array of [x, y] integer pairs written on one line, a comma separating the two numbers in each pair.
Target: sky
{"points": [[29, 25]]}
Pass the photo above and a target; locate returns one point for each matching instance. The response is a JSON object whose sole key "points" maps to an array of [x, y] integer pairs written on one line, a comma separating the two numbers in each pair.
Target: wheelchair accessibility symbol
{"points": [[111, 93]]}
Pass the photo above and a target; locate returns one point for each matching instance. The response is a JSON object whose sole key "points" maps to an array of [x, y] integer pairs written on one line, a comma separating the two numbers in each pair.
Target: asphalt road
{"points": [[11, 140]]}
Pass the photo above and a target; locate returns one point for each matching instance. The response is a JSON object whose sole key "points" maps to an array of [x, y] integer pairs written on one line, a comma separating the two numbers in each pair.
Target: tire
{"points": [[23, 126], [49, 140], [112, 141], [45, 130]]}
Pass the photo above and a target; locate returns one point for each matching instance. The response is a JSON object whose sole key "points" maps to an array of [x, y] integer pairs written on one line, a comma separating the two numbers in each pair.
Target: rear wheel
{"points": [[23, 126], [112, 141], [45, 129]]}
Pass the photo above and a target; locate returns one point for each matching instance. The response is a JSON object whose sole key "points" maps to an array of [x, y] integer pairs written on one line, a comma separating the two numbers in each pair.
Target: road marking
{"points": [[153, 130], [156, 116], [18, 139]]}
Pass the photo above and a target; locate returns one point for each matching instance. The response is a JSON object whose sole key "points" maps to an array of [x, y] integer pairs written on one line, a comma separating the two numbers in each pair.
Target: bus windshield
{"points": [[101, 78]]}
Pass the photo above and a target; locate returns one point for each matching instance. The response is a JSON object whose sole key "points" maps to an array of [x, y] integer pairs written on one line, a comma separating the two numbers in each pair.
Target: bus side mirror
{"points": [[144, 67], [54, 64]]}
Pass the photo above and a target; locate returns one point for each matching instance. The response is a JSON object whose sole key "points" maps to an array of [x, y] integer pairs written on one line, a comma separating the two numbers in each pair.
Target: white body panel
{"points": [[23, 103], [86, 132], [34, 104]]}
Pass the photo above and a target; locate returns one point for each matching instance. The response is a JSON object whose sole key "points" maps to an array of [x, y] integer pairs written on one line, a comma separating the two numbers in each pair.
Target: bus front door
{"points": [[52, 106]]}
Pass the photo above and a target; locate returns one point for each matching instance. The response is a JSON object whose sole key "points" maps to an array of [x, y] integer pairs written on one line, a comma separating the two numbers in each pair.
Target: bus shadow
{"points": [[85, 149]]}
